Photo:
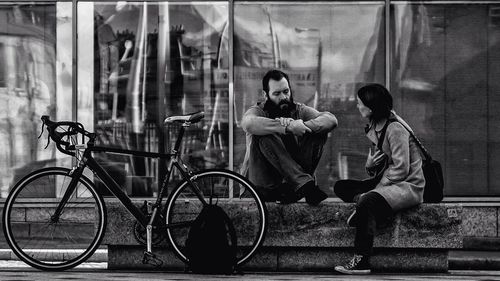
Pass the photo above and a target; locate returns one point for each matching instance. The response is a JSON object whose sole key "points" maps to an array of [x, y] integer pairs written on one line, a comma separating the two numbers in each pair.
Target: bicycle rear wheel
{"points": [[46, 242], [229, 190]]}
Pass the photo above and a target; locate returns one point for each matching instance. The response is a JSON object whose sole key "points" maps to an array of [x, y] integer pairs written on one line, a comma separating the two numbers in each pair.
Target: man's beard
{"points": [[283, 109]]}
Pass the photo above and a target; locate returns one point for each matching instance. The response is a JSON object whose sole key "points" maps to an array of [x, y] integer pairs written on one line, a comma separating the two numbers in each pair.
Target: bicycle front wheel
{"points": [[49, 242], [229, 190]]}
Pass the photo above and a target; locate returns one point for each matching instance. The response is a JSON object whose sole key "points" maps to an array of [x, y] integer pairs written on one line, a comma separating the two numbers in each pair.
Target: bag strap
{"points": [[426, 154], [382, 134], [422, 148], [231, 229]]}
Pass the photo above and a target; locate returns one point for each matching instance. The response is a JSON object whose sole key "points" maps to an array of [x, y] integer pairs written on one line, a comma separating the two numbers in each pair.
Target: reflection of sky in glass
{"points": [[64, 60], [85, 64], [345, 32], [64, 14], [214, 15], [125, 16]]}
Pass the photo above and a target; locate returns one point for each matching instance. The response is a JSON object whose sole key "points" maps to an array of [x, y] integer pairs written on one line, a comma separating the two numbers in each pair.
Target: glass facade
{"points": [[325, 63], [138, 62], [152, 60], [35, 75], [444, 65]]}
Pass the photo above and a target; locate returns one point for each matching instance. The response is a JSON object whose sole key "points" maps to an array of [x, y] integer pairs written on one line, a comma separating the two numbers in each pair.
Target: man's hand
{"points": [[284, 121], [298, 128]]}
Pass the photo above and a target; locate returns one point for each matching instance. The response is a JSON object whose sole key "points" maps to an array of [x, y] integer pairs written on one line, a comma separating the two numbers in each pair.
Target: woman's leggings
{"points": [[370, 209]]}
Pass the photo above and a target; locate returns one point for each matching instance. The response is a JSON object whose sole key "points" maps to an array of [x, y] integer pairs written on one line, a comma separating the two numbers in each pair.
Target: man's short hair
{"points": [[275, 75]]}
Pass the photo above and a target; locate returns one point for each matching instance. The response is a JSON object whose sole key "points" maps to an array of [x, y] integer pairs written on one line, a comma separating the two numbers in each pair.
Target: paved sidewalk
{"points": [[17, 271]]}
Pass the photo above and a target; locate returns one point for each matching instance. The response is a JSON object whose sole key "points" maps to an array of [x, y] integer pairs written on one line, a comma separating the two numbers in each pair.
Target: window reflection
{"points": [[444, 62], [328, 51], [30, 72], [152, 60], [141, 61]]}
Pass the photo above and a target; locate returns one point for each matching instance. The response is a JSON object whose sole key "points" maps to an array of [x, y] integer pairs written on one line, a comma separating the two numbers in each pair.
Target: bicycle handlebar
{"points": [[74, 128]]}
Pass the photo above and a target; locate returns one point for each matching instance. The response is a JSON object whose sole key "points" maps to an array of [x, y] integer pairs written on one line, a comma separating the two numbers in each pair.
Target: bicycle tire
{"points": [[184, 206], [49, 245]]}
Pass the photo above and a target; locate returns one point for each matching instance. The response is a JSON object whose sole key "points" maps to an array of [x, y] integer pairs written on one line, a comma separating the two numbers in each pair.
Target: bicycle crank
{"points": [[152, 259], [140, 235], [158, 233]]}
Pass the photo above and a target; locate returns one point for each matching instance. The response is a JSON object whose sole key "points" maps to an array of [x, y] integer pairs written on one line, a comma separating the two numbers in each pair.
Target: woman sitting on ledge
{"points": [[397, 179]]}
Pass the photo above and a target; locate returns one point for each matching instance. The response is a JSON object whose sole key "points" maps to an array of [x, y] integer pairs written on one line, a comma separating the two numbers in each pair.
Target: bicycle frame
{"points": [[196, 190], [114, 188]]}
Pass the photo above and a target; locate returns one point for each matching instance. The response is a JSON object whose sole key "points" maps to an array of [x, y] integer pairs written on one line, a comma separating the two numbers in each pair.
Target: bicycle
{"points": [[43, 228]]}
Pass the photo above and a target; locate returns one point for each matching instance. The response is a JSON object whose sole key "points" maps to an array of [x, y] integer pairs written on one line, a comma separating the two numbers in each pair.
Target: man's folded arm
{"points": [[254, 123], [319, 122]]}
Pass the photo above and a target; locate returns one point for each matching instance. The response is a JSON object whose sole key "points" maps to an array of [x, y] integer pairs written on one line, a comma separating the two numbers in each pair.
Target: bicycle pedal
{"points": [[150, 258]]}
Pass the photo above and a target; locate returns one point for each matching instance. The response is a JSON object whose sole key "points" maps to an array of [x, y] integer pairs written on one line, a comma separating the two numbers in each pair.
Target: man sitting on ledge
{"points": [[285, 141]]}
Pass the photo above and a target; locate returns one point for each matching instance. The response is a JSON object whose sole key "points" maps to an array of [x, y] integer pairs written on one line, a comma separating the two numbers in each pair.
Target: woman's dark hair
{"points": [[377, 98], [276, 75]]}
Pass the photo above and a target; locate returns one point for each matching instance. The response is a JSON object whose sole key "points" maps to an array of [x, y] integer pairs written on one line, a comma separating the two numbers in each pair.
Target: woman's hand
{"points": [[375, 159]]}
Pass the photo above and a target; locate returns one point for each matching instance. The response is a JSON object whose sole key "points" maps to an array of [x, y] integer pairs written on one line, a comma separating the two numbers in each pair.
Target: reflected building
{"points": [[27, 85]]}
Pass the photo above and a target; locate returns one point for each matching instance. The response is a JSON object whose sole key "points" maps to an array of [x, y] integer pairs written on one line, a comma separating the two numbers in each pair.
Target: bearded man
{"points": [[285, 141]]}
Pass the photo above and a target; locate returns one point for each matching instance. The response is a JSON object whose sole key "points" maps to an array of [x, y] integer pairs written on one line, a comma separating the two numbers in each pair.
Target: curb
{"points": [[458, 260], [100, 255]]}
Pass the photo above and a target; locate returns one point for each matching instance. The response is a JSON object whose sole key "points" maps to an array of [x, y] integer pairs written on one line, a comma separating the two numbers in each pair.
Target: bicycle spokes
{"points": [[247, 213], [47, 234]]}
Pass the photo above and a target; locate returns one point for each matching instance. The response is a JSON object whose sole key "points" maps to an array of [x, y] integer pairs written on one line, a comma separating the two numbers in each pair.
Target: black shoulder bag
{"points": [[433, 173]]}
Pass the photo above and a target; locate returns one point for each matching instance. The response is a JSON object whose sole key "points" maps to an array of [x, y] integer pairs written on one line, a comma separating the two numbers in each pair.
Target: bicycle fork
{"points": [[75, 175]]}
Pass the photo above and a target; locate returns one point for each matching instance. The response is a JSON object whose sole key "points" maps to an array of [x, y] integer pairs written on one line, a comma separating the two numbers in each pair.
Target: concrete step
{"points": [[474, 260], [458, 259]]}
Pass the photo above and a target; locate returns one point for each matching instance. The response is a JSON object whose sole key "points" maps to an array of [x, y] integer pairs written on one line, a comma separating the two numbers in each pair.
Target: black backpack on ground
{"points": [[211, 243]]}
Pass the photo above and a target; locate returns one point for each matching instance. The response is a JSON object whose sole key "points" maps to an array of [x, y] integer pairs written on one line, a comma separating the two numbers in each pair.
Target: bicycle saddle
{"points": [[191, 118]]}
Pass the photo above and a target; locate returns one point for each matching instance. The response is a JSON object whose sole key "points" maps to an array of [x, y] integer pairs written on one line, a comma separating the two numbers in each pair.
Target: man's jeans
{"points": [[277, 161]]}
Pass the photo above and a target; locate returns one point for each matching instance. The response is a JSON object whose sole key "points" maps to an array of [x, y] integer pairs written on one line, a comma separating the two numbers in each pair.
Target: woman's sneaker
{"points": [[357, 265]]}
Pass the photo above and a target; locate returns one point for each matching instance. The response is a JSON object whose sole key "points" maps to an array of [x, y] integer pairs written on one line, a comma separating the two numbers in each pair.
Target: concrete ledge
{"points": [[476, 260], [287, 259], [305, 238], [482, 243], [427, 226]]}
